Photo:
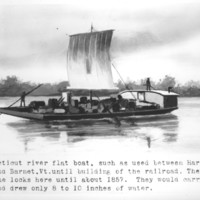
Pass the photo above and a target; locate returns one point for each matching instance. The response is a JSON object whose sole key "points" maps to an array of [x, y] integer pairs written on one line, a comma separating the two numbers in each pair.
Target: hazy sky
{"points": [[151, 38]]}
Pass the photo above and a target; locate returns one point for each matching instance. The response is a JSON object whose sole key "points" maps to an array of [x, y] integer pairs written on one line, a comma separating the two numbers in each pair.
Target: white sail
{"points": [[89, 64]]}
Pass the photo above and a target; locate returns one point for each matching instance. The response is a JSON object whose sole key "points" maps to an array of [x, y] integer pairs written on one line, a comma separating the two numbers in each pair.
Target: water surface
{"points": [[178, 132]]}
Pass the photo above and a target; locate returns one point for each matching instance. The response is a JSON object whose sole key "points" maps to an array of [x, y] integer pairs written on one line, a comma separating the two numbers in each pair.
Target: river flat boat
{"points": [[145, 103], [89, 69]]}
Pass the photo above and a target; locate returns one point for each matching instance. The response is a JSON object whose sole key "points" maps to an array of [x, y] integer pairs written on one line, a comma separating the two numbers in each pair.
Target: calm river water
{"points": [[178, 132], [169, 137]]}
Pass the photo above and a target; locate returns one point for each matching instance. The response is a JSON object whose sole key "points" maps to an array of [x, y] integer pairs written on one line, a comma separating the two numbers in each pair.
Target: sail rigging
{"points": [[89, 64]]}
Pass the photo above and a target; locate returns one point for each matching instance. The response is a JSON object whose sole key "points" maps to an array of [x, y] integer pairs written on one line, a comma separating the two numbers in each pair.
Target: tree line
{"points": [[13, 86]]}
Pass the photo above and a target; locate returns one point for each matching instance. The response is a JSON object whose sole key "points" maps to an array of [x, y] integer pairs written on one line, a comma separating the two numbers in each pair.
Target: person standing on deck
{"points": [[148, 84], [23, 99]]}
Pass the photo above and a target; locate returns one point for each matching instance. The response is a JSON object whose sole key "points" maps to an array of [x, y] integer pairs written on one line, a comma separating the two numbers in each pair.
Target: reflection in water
{"points": [[149, 129], [149, 142]]}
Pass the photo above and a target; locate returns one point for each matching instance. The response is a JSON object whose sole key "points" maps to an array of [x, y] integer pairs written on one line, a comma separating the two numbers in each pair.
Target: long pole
{"points": [[26, 95], [126, 86], [120, 77]]}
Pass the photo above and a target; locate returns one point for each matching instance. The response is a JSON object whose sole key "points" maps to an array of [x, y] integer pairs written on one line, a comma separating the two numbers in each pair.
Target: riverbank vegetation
{"points": [[13, 86]]}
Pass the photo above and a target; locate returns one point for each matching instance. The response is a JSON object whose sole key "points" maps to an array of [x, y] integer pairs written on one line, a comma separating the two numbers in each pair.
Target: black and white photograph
{"points": [[100, 99]]}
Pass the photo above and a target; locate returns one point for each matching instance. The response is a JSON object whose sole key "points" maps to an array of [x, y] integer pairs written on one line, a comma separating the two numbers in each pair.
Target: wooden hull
{"points": [[25, 113]]}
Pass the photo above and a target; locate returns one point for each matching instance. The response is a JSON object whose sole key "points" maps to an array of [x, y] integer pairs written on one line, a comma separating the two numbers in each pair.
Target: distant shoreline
{"points": [[11, 86]]}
